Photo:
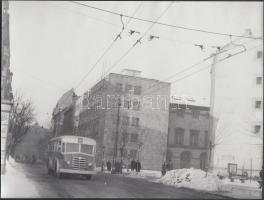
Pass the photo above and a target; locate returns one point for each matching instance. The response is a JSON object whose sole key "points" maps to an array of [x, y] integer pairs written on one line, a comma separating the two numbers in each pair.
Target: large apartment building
{"points": [[128, 116], [188, 132], [237, 106], [63, 115]]}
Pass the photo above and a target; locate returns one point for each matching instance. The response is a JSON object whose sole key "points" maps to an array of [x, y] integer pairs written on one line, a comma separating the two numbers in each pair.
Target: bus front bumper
{"points": [[74, 171]]}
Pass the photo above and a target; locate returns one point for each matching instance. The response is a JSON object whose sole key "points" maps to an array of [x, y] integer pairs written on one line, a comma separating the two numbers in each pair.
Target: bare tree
{"points": [[21, 118]]}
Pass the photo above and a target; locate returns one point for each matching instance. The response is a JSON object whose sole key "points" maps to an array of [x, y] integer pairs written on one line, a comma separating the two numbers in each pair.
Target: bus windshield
{"points": [[72, 147], [86, 148]]}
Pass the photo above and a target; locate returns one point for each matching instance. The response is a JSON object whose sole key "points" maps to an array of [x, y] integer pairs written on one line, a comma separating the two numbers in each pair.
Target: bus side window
{"points": [[63, 147]]}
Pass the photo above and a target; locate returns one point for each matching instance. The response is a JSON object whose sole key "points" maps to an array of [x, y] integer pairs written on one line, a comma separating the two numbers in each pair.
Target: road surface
{"points": [[117, 186]]}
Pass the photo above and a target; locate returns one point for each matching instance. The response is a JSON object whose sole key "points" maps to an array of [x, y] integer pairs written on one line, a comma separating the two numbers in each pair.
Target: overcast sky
{"points": [[54, 44]]}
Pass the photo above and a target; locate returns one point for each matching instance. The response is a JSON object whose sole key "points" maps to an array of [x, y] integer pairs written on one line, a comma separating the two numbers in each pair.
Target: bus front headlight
{"points": [[90, 164], [68, 162]]}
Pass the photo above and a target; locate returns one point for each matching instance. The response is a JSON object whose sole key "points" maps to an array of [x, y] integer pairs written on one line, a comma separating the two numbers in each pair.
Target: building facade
{"points": [[6, 90], [188, 133], [237, 107], [128, 119], [63, 116]]}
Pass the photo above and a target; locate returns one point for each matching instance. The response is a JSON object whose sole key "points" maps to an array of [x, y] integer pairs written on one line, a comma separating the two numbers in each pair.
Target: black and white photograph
{"points": [[132, 99]]}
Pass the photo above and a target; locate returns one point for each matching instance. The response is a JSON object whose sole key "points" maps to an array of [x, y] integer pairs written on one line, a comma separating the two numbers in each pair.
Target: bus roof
{"points": [[75, 139]]}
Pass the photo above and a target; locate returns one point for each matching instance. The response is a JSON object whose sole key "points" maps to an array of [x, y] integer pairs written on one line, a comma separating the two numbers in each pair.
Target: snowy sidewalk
{"points": [[236, 189], [211, 184], [14, 184]]}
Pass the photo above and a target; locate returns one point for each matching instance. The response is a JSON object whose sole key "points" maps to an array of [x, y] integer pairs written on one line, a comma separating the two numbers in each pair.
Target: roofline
{"points": [[140, 78]]}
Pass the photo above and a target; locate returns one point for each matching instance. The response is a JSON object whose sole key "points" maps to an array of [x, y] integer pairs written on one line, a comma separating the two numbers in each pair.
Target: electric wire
{"points": [[104, 53], [165, 24]]}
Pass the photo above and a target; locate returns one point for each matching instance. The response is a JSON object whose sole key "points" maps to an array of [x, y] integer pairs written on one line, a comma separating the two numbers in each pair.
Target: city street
{"points": [[118, 186]]}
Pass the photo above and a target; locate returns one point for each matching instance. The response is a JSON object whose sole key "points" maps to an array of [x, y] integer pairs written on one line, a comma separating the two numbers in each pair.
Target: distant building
{"points": [[188, 132], [237, 106], [134, 129], [63, 116]]}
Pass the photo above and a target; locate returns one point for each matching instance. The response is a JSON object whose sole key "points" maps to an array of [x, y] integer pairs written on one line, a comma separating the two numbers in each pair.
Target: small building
{"points": [[128, 117], [188, 132]]}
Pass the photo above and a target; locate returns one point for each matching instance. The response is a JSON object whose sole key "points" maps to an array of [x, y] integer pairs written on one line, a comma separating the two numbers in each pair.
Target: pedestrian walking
{"points": [[163, 169], [261, 178], [138, 166], [108, 165], [133, 163]]}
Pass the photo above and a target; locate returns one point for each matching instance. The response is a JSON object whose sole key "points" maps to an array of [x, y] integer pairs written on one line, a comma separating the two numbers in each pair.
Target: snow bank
{"points": [[192, 178], [14, 183]]}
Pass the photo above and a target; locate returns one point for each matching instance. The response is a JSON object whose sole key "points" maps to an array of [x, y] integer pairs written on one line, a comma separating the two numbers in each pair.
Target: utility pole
{"points": [[117, 130]]}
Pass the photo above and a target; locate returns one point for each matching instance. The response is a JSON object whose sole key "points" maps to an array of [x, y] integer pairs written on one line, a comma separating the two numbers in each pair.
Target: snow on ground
{"points": [[144, 174], [15, 184], [237, 182], [192, 178]]}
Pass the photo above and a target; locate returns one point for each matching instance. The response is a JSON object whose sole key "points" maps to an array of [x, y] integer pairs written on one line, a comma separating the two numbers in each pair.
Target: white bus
{"points": [[72, 155]]}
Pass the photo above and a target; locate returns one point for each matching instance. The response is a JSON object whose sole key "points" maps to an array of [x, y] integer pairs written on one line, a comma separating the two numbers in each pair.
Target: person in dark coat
{"points": [[108, 165], [163, 170], [133, 163], [261, 178], [138, 166]]}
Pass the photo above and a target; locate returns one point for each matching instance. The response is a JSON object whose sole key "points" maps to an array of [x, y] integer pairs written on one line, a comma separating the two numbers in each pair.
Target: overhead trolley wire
{"points": [[106, 51], [165, 24]]}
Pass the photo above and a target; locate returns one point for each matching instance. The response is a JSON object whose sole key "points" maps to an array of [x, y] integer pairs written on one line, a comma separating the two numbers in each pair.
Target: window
{"points": [[137, 90], [72, 147], [135, 121], [125, 121], [207, 115], [119, 87], [195, 114], [180, 112], [257, 104], [194, 136], [206, 138], [134, 137], [136, 105], [257, 129], [259, 80], [127, 104], [128, 88], [259, 54], [85, 148], [125, 137], [63, 147], [179, 135]]}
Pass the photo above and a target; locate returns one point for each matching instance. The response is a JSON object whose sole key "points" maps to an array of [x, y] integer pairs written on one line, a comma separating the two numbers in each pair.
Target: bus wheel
{"points": [[88, 177]]}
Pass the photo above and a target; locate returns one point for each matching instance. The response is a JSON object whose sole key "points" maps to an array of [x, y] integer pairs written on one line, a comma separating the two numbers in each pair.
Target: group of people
{"points": [[135, 165], [118, 166], [166, 167]]}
